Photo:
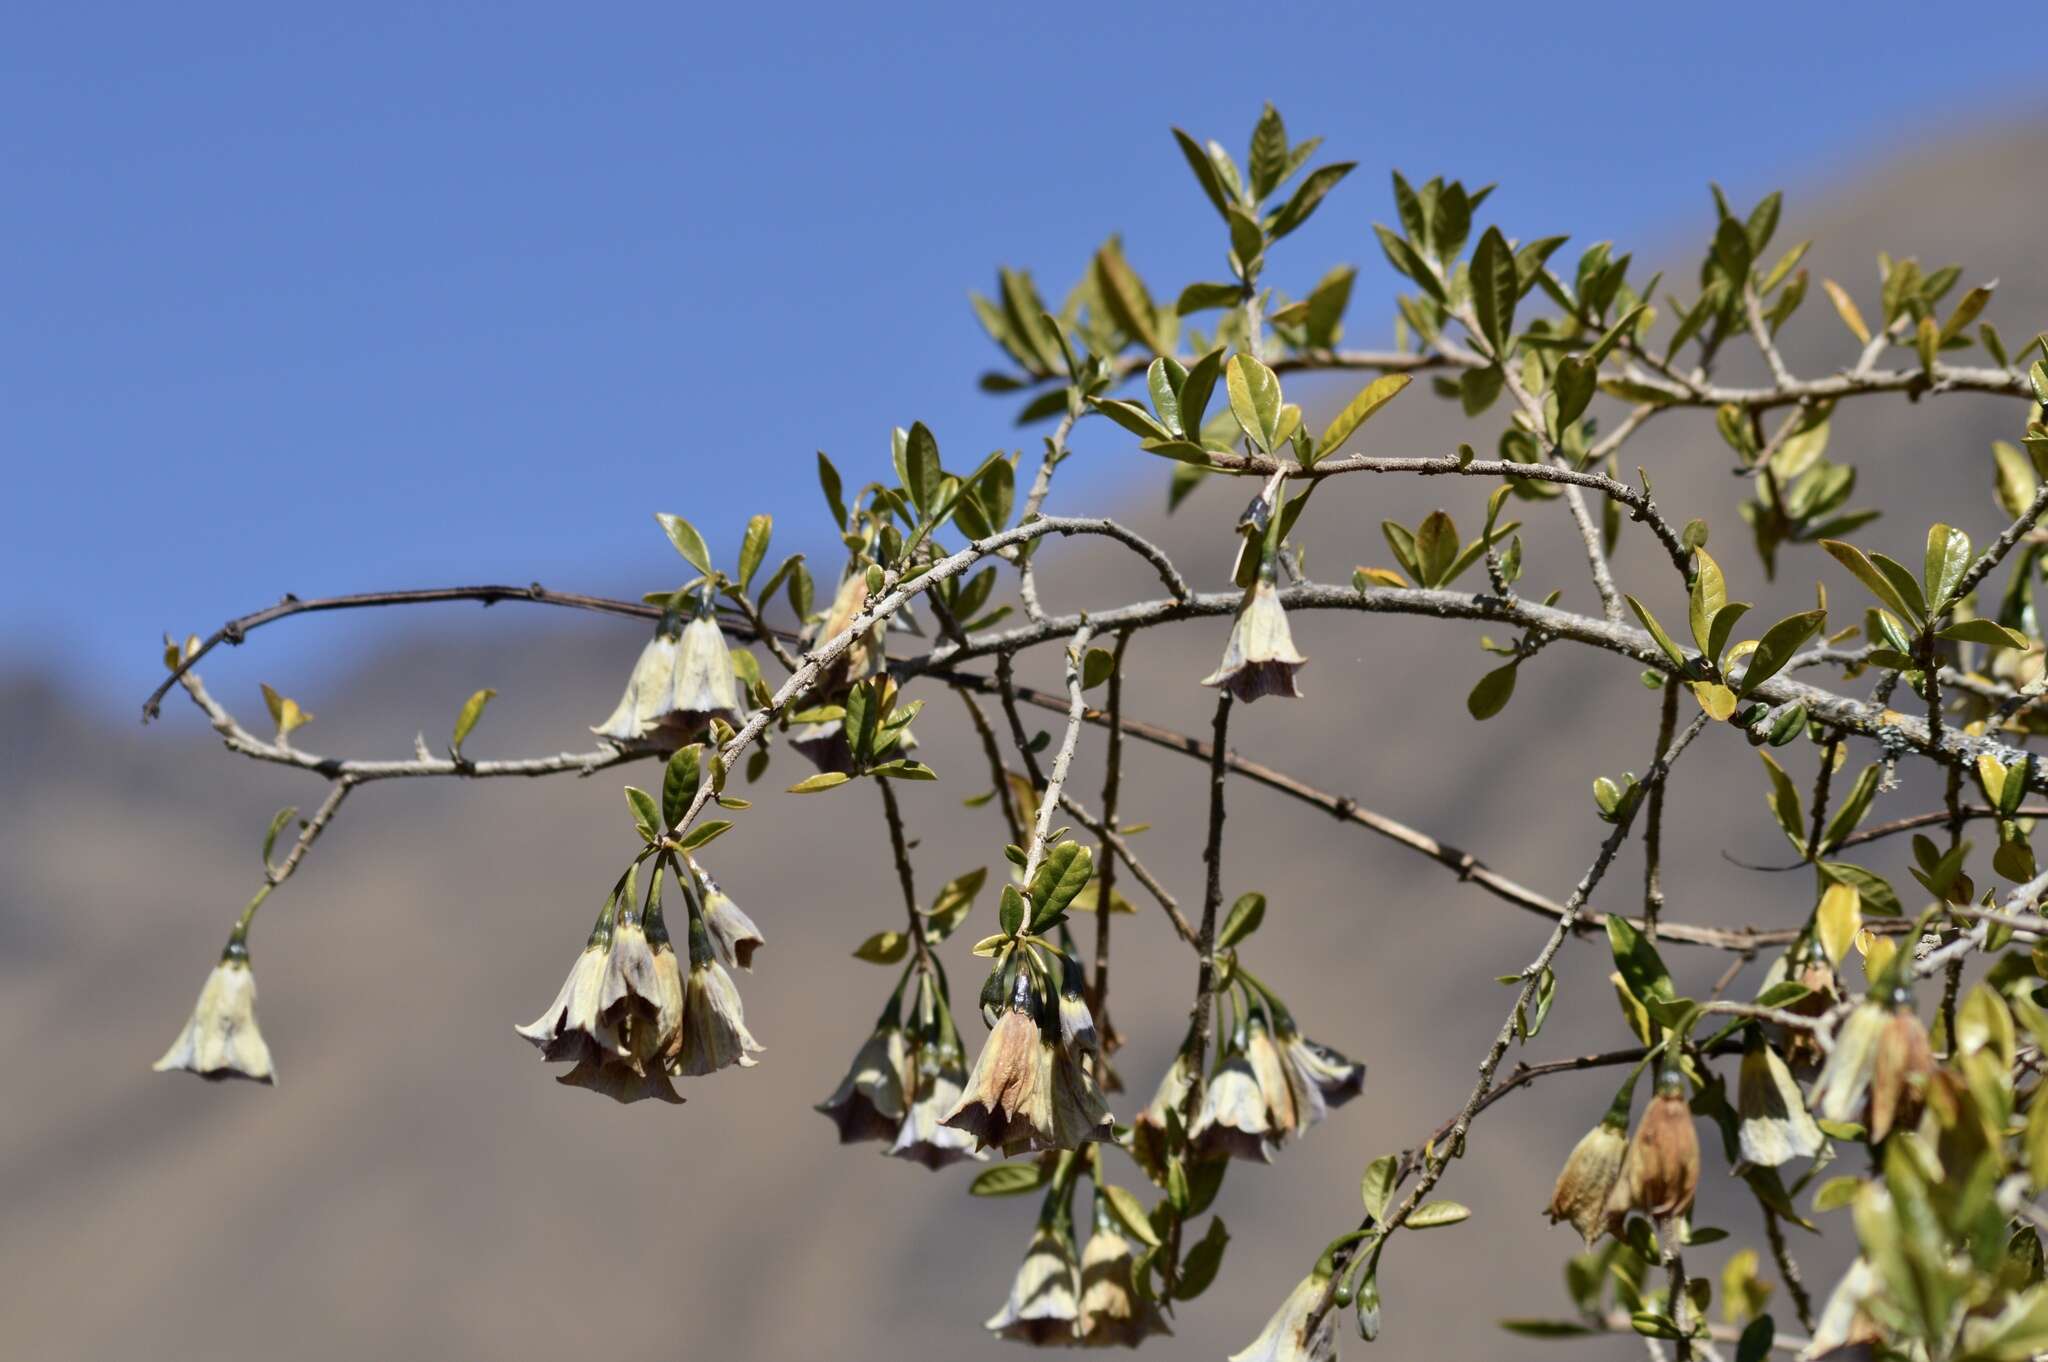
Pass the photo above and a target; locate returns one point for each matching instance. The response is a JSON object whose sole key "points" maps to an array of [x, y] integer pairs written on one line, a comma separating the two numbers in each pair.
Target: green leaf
{"points": [[1268, 163], [277, 822], [1063, 873], [1495, 287], [1009, 1179], [1784, 802], [1642, 969], [1199, 1270], [1852, 808], [1574, 385], [1377, 1187], [1948, 557], [1434, 1214], [1131, 417], [1244, 918], [754, 548], [1493, 692], [883, 948], [1777, 647], [1671, 650], [824, 780], [1708, 594], [1879, 898], [1254, 400], [679, 781], [1436, 547], [1205, 170], [1131, 1211], [1307, 196], [704, 833], [1548, 1328], [472, 710], [688, 542], [1010, 911], [1866, 572], [1203, 297], [1990, 633], [1370, 399], [1096, 667], [646, 816]]}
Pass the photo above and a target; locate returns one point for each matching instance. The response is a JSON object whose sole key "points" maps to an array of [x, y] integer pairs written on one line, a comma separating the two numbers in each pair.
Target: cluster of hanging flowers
{"points": [[684, 679], [632, 1015], [1057, 1300], [906, 1078]]}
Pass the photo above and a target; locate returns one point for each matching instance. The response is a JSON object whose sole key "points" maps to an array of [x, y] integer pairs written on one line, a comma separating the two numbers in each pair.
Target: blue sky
{"points": [[326, 298]]}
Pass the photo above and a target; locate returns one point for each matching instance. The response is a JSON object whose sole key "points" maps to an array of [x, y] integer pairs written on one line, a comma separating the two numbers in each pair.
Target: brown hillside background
{"points": [[417, 1186]]}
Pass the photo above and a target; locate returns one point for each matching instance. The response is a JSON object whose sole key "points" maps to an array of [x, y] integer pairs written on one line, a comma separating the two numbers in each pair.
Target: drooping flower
{"points": [[864, 657], [1077, 1023], [940, 1076], [734, 937], [1293, 1334], [1149, 1131], [1588, 1178], [1233, 1118], [713, 1034], [1321, 1077], [572, 1027], [1044, 1299], [622, 1082], [1080, 1113], [870, 1102], [1284, 1114], [1008, 1099], [1845, 1079], [220, 1039], [683, 679], [1900, 1072], [1112, 1314], [1660, 1173], [706, 686], [1776, 1127], [1259, 658]]}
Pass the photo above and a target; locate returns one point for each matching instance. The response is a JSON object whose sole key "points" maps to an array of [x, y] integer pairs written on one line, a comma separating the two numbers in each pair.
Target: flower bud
{"points": [[1259, 658], [1588, 1179], [713, 1034], [734, 937]]}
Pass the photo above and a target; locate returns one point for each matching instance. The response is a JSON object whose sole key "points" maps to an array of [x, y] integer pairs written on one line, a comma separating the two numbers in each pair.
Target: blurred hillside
{"points": [[418, 1186]]}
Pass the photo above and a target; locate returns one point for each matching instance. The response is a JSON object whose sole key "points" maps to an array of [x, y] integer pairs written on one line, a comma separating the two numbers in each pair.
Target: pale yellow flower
{"points": [[924, 1137], [714, 1032], [1043, 1305], [1259, 658], [1775, 1125], [1587, 1179], [1112, 1315], [1292, 1335], [220, 1039], [1234, 1118], [870, 1102], [734, 937]]}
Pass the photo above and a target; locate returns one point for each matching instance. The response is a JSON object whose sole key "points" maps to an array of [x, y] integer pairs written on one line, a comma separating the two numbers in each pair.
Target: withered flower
{"points": [[1008, 1101], [1112, 1315], [1079, 1111], [870, 1102], [734, 937], [864, 657], [1900, 1072], [1660, 1173], [1043, 1305], [1149, 1131], [1285, 1116], [1320, 1078], [622, 1082], [1775, 1125], [1293, 1334], [220, 1039], [1588, 1177], [1259, 659]]}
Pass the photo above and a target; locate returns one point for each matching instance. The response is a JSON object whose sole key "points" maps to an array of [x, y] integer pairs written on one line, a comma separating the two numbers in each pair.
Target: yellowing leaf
{"points": [[1837, 920]]}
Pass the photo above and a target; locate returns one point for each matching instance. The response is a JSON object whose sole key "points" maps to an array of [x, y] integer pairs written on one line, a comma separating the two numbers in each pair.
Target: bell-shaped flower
{"points": [[864, 657], [1588, 1179], [1079, 1111], [220, 1039], [622, 1082], [734, 937], [713, 1034], [1112, 1313], [572, 1027], [1775, 1126], [1149, 1131], [940, 1075], [1260, 658], [1295, 1333], [1008, 1101], [650, 690], [706, 686], [1660, 1173], [1844, 1081], [871, 1102], [1899, 1073], [1044, 1302], [1321, 1077], [1234, 1118]]}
